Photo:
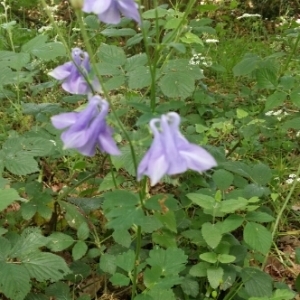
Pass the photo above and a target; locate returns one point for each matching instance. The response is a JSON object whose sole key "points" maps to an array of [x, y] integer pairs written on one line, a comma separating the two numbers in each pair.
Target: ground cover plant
{"points": [[149, 151]]}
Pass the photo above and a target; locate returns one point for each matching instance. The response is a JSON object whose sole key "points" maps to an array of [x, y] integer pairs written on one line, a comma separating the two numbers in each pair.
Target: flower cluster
{"points": [[87, 130]]}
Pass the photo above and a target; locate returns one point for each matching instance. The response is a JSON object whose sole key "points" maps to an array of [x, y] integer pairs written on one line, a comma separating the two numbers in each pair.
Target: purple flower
{"points": [[74, 74], [170, 152], [86, 130], [109, 11]]}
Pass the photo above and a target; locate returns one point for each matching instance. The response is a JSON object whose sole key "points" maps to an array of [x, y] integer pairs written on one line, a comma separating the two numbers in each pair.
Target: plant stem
{"points": [[137, 257]]}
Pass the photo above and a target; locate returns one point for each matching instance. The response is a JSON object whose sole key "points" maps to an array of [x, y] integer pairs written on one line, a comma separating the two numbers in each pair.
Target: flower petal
{"points": [[64, 120], [61, 72]]}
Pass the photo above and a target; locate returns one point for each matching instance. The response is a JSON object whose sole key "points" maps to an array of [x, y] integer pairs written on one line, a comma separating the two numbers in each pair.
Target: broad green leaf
{"points": [[155, 13], [231, 223], [168, 220], [111, 54], [211, 234], [190, 287], [83, 231], [79, 250], [215, 276], [231, 205], [293, 123], [59, 241], [150, 224], [173, 23], [108, 263], [7, 197], [122, 237], [37, 146], [210, 257], [108, 182], [162, 294], [118, 32], [139, 78], [226, 258], [14, 281], [34, 43], [258, 237], [14, 60], [203, 201], [200, 269], [191, 38], [115, 82], [274, 100], [283, 294], [223, 179], [73, 215], [87, 204], [164, 238], [33, 296], [21, 163], [5, 248], [261, 174], [59, 291], [295, 96], [135, 61], [126, 261], [229, 277], [259, 216], [257, 283], [248, 64], [172, 260], [266, 78], [119, 280], [45, 266], [49, 51]]}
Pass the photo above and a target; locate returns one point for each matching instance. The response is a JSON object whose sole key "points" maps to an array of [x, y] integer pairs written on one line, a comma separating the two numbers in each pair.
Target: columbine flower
{"points": [[74, 74], [170, 152], [109, 11], [86, 130]]}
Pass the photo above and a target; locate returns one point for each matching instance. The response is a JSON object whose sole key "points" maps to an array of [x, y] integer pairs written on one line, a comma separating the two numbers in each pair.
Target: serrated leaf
{"points": [[139, 78], [21, 163], [190, 287], [49, 51], [122, 237], [118, 32], [203, 201], [226, 258], [168, 220], [114, 82], [274, 100], [257, 283], [211, 234], [135, 61], [223, 179], [34, 43], [266, 78], [119, 280], [259, 216], [258, 237], [231, 223], [73, 216], [59, 241], [210, 257], [215, 276], [59, 291], [79, 250], [45, 266], [37, 146], [108, 263], [7, 197], [83, 231], [261, 174], [112, 54], [231, 205], [5, 248], [164, 238], [126, 261], [162, 294], [247, 65], [14, 281], [200, 269]]}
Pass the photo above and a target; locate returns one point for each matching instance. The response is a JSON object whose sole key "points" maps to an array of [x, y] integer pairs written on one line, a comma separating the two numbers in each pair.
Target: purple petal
{"points": [[111, 15], [61, 72], [130, 10], [64, 120]]}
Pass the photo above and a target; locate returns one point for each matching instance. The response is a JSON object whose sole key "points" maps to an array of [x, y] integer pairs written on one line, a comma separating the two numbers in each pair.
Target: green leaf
{"points": [[83, 231], [59, 291], [168, 220], [172, 261], [112, 55], [162, 294], [122, 237], [190, 287], [73, 216], [231, 205], [223, 179], [37, 146], [7, 197], [283, 294], [297, 283], [259, 216], [34, 43], [45, 266], [150, 224], [293, 123], [258, 237], [274, 100], [248, 64], [211, 234], [139, 78], [21, 163], [257, 283], [297, 258], [215, 276], [191, 38], [5, 248], [210, 257], [226, 258], [164, 238], [266, 79], [49, 51], [203, 201], [112, 32], [14, 281], [261, 174], [231, 223], [79, 250], [59, 241], [200, 269], [14, 60], [119, 280], [108, 263], [126, 261], [155, 13]]}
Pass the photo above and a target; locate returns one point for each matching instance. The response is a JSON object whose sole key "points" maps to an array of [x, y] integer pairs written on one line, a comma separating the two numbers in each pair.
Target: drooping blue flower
{"points": [[74, 74], [87, 130], [170, 152], [109, 11]]}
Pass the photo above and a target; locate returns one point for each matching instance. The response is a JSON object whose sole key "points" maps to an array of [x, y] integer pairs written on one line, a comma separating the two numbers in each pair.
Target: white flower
{"points": [[249, 16], [269, 113], [289, 181], [277, 113], [45, 28], [298, 21], [292, 175], [298, 134], [211, 41]]}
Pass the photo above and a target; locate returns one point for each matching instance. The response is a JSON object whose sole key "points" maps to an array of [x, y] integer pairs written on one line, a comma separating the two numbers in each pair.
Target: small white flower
{"points": [[292, 175], [298, 134], [249, 16], [289, 181], [298, 179], [277, 113], [298, 21], [45, 28], [75, 29], [269, 113], [211, 41]]}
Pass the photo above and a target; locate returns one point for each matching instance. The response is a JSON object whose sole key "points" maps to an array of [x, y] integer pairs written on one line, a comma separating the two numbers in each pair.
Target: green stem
{"points": [[283, 207], [112, 173], [137, 257]]}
